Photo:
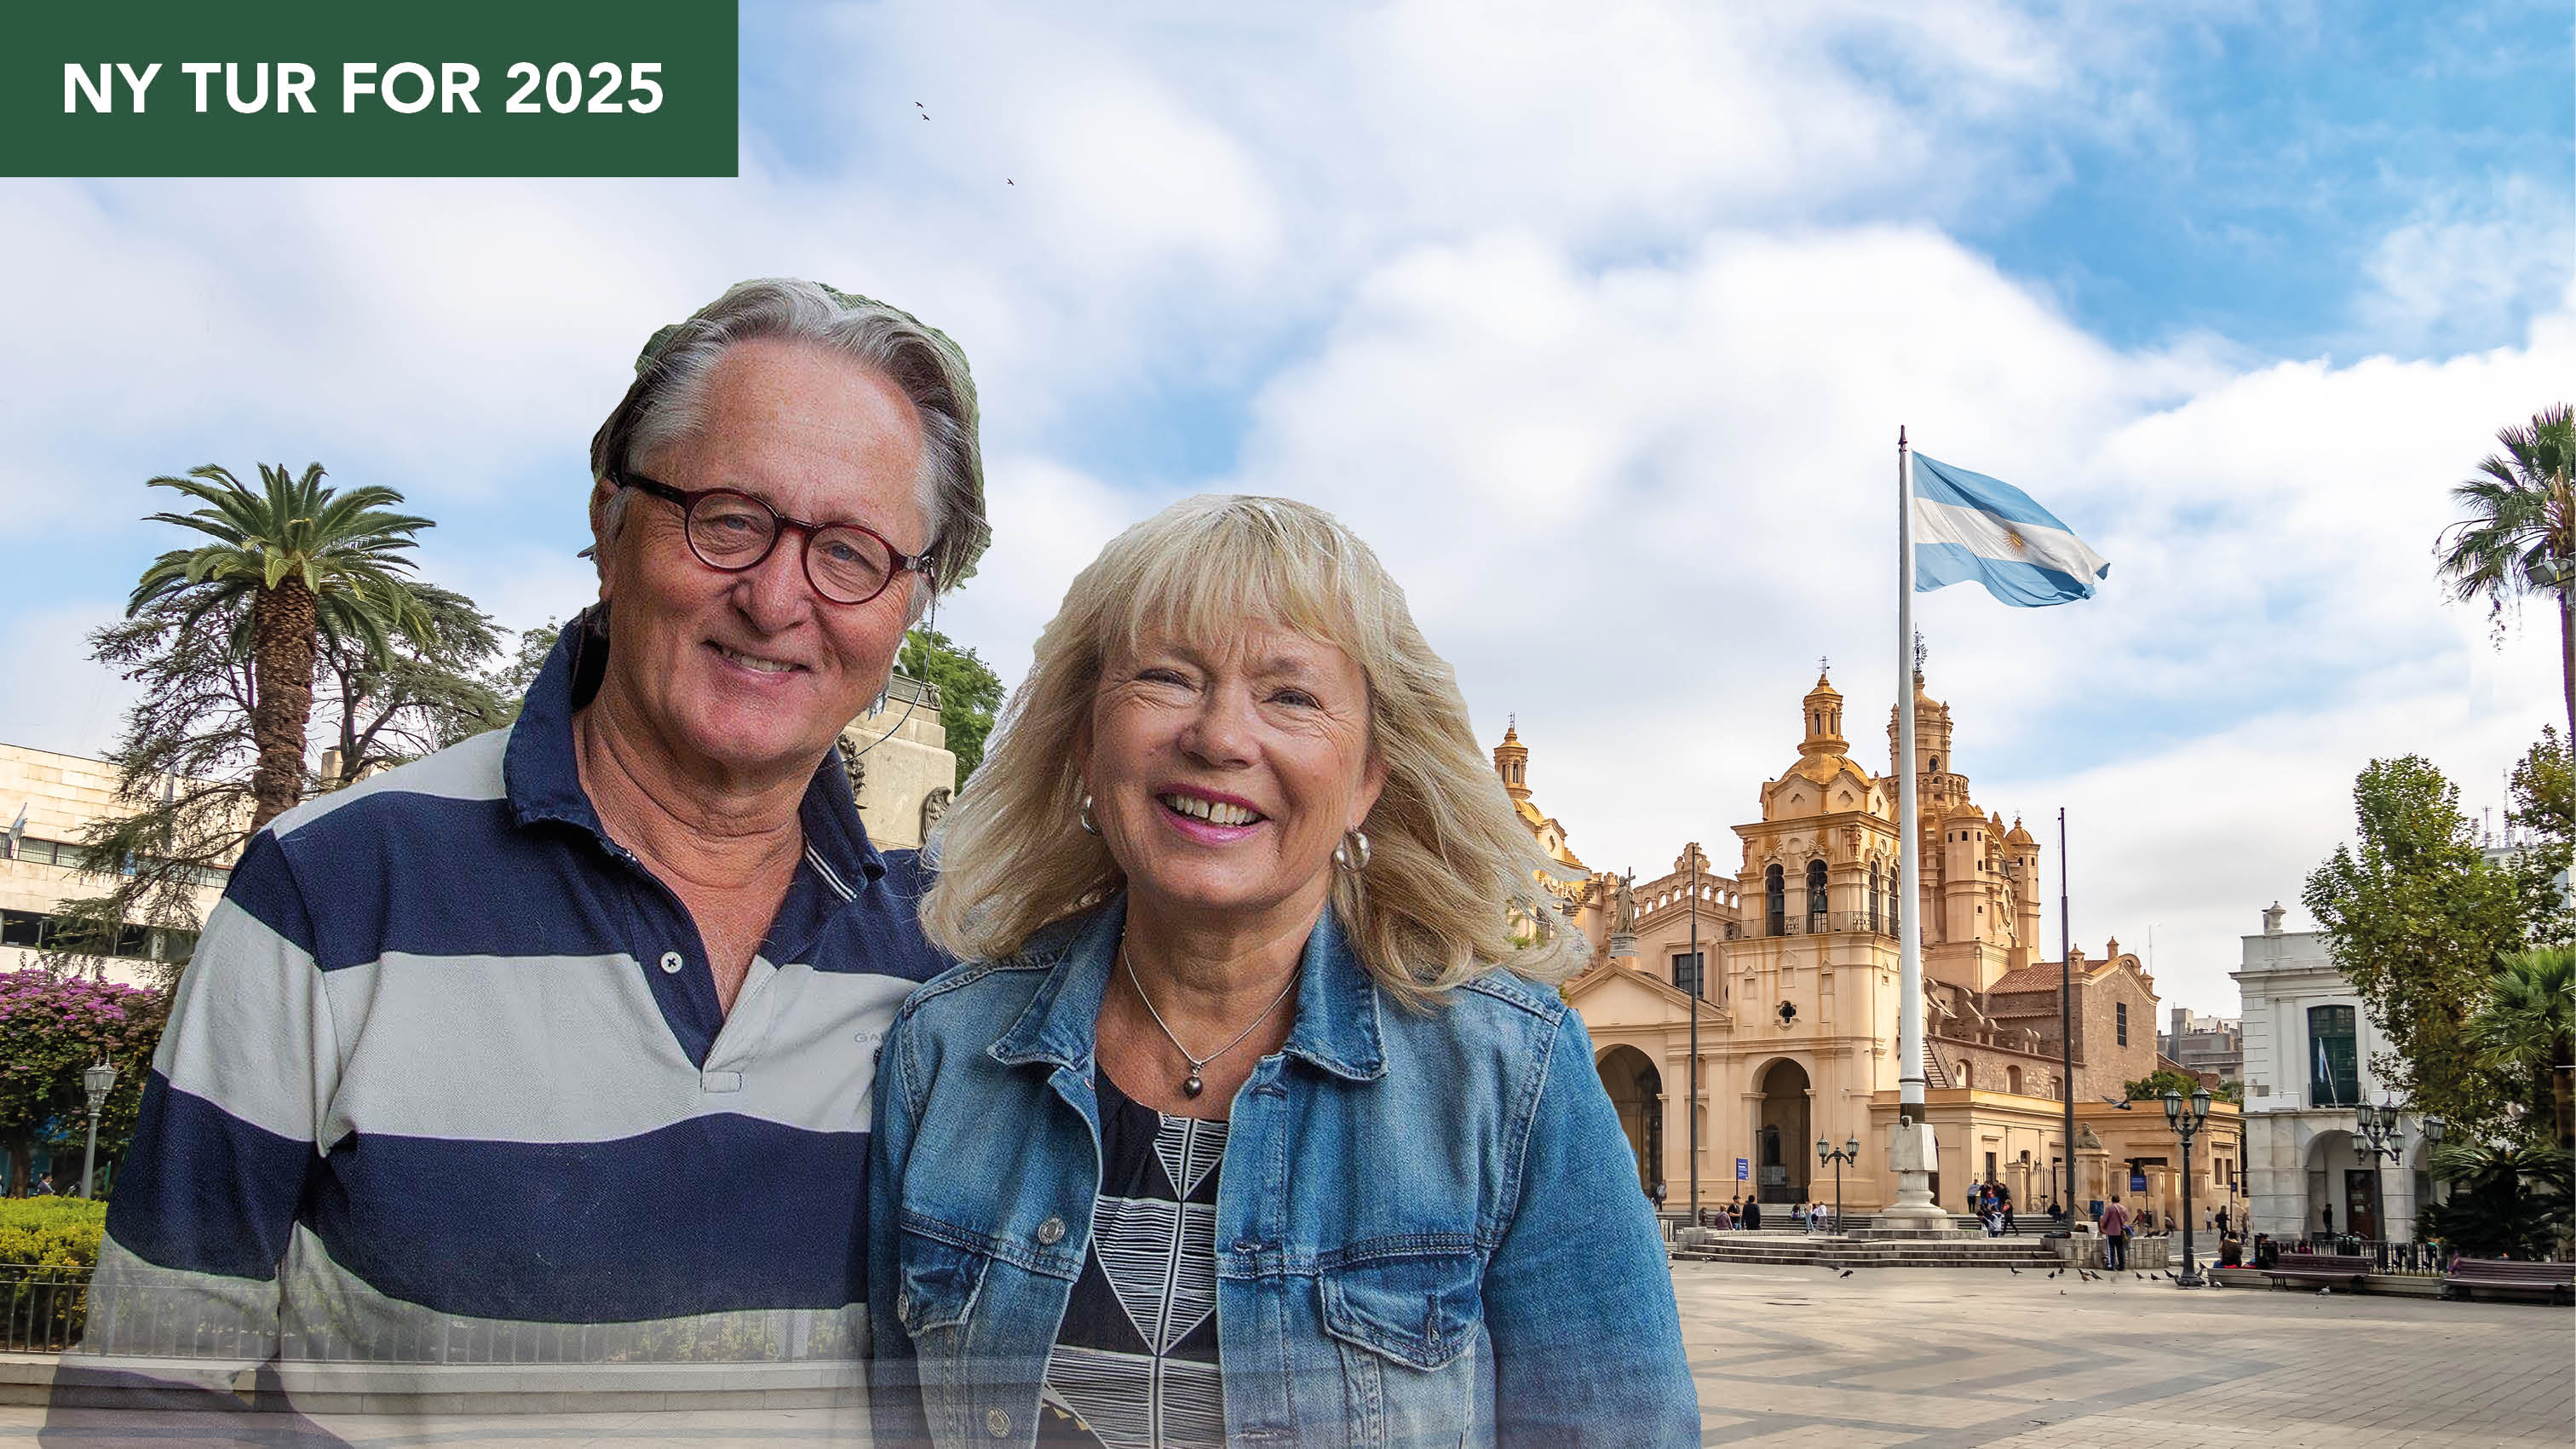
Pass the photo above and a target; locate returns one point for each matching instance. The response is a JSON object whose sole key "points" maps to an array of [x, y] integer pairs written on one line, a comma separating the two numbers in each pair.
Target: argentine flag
{"points": [[1969, 526]]}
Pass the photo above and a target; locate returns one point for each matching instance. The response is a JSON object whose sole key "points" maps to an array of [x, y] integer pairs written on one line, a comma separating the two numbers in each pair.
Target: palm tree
{"points": [[2520, 535], [315, 562], [2527, 1026], [2505, 1202]]}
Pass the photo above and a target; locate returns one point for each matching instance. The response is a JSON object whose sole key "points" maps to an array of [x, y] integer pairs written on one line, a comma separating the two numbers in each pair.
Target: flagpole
{"points": [[1909, 930], [1911, 1153], [2066, 1008]]}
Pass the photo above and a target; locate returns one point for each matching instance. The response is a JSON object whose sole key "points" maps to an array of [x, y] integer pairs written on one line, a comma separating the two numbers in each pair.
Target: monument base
{"points": [[1912, 1154]]}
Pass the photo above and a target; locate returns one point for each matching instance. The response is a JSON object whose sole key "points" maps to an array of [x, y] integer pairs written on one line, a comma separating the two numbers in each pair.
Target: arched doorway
{"points": [[2338, 1180], [1780, 1133], [1637, 1090]]}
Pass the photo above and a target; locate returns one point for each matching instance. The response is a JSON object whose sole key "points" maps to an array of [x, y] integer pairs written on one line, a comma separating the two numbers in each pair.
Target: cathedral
{"points": [[1794, 982]]}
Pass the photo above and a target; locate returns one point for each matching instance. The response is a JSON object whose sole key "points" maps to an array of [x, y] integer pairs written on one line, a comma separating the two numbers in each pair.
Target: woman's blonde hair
{"points": [[1451, 890]]}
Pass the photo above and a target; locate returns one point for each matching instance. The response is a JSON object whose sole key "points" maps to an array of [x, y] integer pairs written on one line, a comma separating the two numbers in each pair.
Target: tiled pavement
{"points": [[1908, 1358], [1794, 1357]]}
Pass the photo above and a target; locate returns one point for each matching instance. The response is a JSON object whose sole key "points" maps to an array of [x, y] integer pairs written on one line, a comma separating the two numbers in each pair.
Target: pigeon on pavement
{"points": [[1847, 1272]]}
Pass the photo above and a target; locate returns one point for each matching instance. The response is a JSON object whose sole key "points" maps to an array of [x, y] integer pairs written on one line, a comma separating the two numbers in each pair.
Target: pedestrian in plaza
{"points": [[2115, 1234], [1247, 1120], [1752, 1218], [500, 1035], [2329, 1219], [44, 1186], [1798, 1214], [2056, 1214], [2007, 1204], [2222, 1222]]}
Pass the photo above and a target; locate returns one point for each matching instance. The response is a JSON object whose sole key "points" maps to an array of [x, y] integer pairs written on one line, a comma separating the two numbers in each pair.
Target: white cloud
{"points": [[56, 698], [2467, 264]]}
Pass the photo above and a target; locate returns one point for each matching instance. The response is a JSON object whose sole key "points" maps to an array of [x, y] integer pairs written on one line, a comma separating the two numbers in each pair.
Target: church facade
{"points": [[1794, 986]]}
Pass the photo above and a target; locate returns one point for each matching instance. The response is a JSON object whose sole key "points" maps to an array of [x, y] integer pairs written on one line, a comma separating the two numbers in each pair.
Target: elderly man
{"points": [[557, 1045]]}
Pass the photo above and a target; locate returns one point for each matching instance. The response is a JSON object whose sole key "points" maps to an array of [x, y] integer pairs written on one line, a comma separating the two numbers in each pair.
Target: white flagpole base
{"points": [[1912, 1155]]}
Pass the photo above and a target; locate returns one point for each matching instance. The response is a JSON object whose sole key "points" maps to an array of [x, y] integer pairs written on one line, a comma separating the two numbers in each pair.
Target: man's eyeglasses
{"points": [[732, 531]]}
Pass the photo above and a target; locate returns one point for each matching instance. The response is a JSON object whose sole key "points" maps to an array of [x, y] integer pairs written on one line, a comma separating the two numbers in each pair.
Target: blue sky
{"points": [[1598, 318]]}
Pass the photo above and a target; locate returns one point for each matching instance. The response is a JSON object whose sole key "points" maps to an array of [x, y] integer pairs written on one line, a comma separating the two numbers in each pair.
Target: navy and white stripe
{"points": [[445, 1051]]}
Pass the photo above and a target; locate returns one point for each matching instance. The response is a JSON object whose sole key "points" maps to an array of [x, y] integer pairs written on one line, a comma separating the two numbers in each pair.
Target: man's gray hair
{"points": [[667, 402]]}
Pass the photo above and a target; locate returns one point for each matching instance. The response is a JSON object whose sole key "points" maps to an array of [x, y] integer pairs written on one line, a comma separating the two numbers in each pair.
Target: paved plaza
{"points": [[1795, 1358]]}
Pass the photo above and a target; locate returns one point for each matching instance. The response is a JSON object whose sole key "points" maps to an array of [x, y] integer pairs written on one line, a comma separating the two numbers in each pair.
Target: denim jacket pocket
{"points": [[1406, 1326]]}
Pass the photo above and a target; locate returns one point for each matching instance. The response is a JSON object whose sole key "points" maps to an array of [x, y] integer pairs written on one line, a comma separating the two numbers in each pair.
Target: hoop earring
{"points": [[1353, 853], [1082, 814]]}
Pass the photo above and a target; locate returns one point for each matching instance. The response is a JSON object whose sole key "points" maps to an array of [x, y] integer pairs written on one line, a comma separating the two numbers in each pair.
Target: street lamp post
{"points": [[98, 1081], [2381, 1138], [1850, 1153], [2187, 1125]]}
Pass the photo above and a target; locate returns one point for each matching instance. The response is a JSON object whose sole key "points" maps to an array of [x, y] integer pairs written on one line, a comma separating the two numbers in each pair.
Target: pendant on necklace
{"points": [[1192, 1086]]}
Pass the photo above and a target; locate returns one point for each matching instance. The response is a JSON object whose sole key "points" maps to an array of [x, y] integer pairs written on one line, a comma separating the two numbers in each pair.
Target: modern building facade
{"points": [[1795, 983], [2211, 1048], [2308, 1044]]}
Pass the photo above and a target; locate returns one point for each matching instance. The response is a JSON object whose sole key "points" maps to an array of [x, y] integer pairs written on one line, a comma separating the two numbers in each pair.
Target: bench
{"points": [[2348, 1268], [2558, 1280]]}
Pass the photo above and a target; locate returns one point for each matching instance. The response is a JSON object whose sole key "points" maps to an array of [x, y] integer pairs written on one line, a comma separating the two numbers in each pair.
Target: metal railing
{"points": [[45, 1305], [1815, 923], [2402, 1260]]}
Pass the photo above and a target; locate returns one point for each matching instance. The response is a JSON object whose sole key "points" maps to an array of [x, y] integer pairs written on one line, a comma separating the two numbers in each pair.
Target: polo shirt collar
{"points": [[543, 782], [1337, 1027]]}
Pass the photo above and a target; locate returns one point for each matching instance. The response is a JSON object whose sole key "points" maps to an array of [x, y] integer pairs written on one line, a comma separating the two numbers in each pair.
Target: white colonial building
{"points": [[2308, 1042]]}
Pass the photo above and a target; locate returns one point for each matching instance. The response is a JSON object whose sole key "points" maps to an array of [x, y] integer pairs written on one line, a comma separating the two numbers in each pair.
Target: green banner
{"points": [[297, 88]]}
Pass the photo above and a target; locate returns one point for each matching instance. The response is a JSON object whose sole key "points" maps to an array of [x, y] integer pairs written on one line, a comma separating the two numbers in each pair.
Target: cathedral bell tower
{"points": [[1511, 761], [1824, 705]]}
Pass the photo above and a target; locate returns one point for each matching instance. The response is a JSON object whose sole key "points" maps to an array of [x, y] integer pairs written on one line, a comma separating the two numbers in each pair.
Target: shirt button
{"points": [[670, 963], [1051, 1232], [998, 1424]]}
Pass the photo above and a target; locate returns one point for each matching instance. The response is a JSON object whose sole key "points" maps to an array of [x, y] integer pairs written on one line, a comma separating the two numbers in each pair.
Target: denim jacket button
{"points": [[1051, 1232], [998, 1423]]}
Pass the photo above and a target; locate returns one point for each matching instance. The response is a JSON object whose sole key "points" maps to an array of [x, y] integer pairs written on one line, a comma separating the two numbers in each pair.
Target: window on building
{"points": [[2120, 1021], [1815, 895], [2012, 1080], [1690, 972], [2334, 1057], [1875, 889], [1775, 902]]}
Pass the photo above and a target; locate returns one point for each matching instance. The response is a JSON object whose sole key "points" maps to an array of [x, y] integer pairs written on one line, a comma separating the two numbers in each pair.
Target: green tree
{"points": [[2525, 1028], [425, 692], [2153, 1086], [2416, 917], [970, 693], [2520, 534], [313, 564], [2504, 1202]]}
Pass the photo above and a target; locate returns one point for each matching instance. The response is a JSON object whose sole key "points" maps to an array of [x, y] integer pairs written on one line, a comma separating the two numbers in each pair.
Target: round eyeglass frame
{"points": [[688, 499]]}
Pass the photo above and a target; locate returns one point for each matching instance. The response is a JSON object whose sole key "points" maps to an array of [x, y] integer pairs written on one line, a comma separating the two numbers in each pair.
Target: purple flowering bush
{"points": [[52, 1027]]}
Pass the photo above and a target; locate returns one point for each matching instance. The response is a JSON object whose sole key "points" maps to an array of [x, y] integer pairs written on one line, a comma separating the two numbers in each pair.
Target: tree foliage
{"points": [[2521, 516], [2524, 1028], [2417, 919], [970, 693], [425, 692], [2505, 1202], [314, 565], [2154, 1085], [53, 1025]]}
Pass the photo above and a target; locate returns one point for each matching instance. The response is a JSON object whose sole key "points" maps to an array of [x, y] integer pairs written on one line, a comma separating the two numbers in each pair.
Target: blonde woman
{"points": [[1246, 1120]]}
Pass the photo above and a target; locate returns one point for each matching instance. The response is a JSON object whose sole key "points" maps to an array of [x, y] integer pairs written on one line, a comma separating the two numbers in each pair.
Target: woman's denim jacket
{"points": [[1429, 1228]]}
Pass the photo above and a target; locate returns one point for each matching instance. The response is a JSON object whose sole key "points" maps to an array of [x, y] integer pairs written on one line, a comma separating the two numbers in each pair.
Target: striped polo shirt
{"points": [[448, 1061]]}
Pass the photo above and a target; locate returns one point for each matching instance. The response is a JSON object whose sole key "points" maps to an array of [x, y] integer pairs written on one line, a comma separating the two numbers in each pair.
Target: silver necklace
{"points": [[1193, 1084]]}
